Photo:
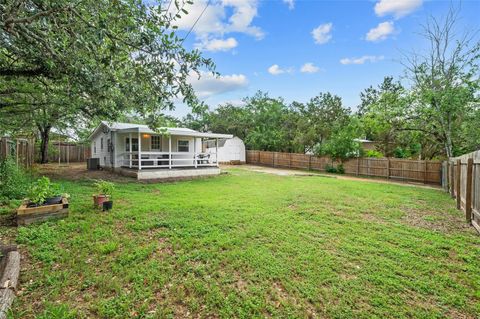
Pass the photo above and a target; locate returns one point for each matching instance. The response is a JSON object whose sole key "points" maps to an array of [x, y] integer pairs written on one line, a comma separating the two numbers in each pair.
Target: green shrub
{"points": [[373, 153], [330, 169], [335, 170], [340, 169], [13, 181], [42, 189]]}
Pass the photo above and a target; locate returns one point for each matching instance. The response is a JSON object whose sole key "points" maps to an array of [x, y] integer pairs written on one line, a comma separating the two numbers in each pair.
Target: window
{"points": [[94, 147], [101, 144], [109, 146], [156, 142], [134, 144], [182, 146]]}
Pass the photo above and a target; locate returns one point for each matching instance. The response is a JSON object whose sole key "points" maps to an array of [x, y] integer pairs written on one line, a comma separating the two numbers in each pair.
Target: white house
{"points": [[136, 150], [230, 150]]}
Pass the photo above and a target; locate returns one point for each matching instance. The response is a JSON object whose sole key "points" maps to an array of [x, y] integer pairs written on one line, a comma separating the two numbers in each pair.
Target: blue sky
{"points": [[298, 48]]}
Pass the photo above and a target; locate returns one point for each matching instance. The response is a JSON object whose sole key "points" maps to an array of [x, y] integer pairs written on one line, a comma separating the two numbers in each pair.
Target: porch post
{"points": [[139, 150], [130, 148], [195, 151], [216, 150], [170, 151]]}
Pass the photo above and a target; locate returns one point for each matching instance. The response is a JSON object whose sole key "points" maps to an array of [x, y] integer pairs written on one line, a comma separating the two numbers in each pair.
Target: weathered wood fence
{"points": [[65, 152], [428, 172], [21, 150], [462, 180]]}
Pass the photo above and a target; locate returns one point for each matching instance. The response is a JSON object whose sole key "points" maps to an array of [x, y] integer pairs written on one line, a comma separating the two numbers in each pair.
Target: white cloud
{"points": [[290, 3], [275, 70], [321, 34], [381, 31], [397, 8], [362, 60], [220, 17], [217, 44], [309, 68], [209, 84]]}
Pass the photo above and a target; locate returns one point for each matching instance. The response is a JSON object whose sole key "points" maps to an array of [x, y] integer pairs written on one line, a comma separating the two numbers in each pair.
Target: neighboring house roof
{"points": [[142, 128]]}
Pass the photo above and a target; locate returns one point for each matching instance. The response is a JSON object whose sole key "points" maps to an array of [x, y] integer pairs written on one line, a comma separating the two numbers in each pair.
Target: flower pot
{"points": [[53, 200], [99, 199], [107, 205]]}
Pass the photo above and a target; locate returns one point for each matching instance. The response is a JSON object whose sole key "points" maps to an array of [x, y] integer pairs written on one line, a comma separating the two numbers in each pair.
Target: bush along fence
{"points": [[65, 152], [427, 172], [21, 150], [461, 179]]}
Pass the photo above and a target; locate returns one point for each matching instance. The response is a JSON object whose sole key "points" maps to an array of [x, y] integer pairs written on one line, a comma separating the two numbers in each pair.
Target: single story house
{"points": [[138, 151], [230, 150]]}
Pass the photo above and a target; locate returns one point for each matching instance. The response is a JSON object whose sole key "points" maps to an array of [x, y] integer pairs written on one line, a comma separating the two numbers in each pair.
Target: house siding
{"points": [[101, 153]]}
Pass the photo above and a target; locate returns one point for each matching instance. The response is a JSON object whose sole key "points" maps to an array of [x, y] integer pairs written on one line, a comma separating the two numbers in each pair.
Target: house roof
{"points": [[142, 128]]}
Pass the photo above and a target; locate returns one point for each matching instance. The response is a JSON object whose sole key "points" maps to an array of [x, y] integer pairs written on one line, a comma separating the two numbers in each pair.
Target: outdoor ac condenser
{"points": [[93, 164]]}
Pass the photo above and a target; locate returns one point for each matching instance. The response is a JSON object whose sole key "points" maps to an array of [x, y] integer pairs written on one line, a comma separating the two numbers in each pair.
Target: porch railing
{"points": [[167, 160]]}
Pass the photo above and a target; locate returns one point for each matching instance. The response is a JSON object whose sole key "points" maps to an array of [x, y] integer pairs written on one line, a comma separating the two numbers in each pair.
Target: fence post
{"points": [[425, 172], [452, 179], [310, 162], [468, 190], [388, 167], [4, 148], [273, 159], [457, 184], [358, 166]]}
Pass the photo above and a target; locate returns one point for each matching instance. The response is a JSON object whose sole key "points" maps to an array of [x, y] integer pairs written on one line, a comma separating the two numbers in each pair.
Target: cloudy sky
{"points": [[298, 48]]}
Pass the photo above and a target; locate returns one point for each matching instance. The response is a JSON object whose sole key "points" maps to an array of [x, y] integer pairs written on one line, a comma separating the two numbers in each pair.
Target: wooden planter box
{"points": [[27, 215]]}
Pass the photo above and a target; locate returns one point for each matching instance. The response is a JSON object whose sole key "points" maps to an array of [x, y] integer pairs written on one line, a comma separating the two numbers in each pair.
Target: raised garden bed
{"points": [[27, 215]]}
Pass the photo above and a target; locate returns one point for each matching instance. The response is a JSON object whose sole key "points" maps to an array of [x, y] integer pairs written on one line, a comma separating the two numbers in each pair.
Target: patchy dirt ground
{"points": [[78, 171], [293, 172]]}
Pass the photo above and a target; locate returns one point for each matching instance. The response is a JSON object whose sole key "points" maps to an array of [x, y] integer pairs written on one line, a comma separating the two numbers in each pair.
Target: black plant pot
{"points": [[107, 205], [53, 200]]}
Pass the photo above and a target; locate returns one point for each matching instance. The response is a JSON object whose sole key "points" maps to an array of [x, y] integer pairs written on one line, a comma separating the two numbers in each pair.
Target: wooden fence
{"points": [[19, 149], [65, 152], [428, 172], [462, 180]]}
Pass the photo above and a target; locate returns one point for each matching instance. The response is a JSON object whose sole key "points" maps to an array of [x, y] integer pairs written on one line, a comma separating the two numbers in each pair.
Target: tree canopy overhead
{"points": [[62, 59]]}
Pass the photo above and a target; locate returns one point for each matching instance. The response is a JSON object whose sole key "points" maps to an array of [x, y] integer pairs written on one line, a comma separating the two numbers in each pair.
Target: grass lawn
{"points": [[248, 244]]}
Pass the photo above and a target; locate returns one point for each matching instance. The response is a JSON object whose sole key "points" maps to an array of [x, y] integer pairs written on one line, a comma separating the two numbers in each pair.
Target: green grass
{"points": [[249, 245]]}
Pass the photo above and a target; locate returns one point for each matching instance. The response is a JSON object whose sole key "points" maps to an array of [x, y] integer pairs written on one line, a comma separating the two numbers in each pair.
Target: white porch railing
{"points": [[167, 160]]}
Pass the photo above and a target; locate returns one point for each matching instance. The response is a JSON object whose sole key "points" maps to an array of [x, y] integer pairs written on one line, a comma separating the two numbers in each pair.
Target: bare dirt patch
{"points": [[442, 222], [78, 171]]}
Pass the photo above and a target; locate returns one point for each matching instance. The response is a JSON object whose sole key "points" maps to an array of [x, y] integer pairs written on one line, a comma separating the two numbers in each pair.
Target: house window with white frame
{"points": [[134, 144], [183, 146], [156, 142], [101, 144], [94, 147]]}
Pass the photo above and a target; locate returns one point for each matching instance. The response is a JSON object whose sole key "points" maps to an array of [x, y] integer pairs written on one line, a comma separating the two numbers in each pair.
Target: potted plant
{"points": [[104, 193], [44, 192]]}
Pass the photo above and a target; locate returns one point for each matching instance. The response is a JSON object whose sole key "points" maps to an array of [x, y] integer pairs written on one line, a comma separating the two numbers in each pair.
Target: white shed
{"points": [[230, 150]]}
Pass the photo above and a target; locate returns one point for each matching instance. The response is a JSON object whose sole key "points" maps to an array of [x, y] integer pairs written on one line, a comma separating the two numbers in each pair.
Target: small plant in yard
{"points": [[43, 191], [104, 194], [13, 181]]}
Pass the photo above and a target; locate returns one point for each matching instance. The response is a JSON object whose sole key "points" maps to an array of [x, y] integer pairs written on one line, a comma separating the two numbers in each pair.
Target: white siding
{"points": [[100, 153]]}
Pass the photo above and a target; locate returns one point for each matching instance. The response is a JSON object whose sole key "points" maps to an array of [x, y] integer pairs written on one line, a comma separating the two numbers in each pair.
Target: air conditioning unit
{"points": [[93, 164]]}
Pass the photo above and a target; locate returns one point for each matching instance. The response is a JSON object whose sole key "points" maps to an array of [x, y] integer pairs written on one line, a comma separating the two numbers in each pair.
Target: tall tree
{"points": [[445, 80], [382, 113], [318, 118], [62, 60]]}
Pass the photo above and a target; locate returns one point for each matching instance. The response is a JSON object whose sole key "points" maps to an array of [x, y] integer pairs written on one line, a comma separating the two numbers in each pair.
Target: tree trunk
{"points": [[45, 136]]}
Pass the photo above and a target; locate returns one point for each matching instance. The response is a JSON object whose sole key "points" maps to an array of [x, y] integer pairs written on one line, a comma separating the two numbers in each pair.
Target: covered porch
{"points": [[141, 149]]}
